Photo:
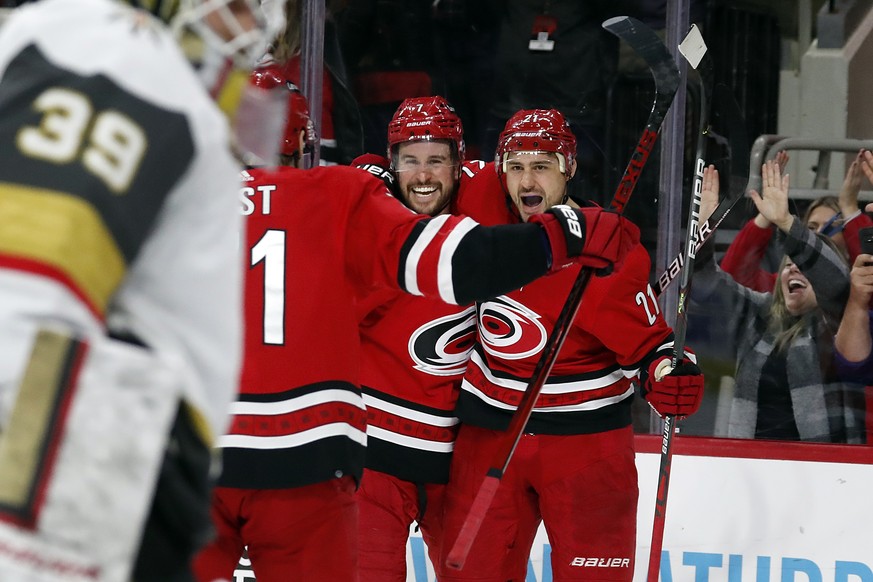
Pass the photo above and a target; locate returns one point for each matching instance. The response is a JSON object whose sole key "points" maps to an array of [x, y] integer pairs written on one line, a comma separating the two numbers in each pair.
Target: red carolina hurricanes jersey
{"points": [[314, 240], [618, 328], [415, 354]]}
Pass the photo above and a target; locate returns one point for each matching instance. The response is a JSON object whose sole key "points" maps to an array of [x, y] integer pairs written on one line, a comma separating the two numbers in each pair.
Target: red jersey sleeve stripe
{"points": [[413, 258], [445, 274]]}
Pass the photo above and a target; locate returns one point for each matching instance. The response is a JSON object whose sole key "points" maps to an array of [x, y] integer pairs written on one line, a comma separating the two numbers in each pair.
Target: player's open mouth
{"points": [[532, 200], [424, 191]]}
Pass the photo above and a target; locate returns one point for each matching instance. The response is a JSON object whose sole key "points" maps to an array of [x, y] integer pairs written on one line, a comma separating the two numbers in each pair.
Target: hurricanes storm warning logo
{"points": [[510, 330], [441, 347]]}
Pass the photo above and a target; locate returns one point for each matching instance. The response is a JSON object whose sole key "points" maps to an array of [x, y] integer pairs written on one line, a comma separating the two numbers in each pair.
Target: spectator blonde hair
{"points": [[288, 44], [829, 201]]}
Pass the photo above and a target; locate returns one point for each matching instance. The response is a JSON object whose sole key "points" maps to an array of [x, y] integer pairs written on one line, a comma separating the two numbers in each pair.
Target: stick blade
{"points": [[461, 549], [648, 46]]}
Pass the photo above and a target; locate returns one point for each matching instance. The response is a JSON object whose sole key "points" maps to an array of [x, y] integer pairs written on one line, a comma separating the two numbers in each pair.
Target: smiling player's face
{"points": [[426, 175]]}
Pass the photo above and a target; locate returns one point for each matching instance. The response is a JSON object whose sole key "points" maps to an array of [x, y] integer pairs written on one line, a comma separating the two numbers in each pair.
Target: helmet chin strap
{"points": [[567, 178]]}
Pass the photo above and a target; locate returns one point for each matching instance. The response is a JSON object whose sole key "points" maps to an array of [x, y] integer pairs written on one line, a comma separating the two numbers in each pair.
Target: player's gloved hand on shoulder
{"points": [[676, 392], [377, 165], [589, 236]]}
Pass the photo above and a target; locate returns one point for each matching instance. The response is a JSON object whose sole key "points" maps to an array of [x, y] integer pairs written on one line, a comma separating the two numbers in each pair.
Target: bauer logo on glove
{"points": [[589, 236], [571, 220], [376, 165]]}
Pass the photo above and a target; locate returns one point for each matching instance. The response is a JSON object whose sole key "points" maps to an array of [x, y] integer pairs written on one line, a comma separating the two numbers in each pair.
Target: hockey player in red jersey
{"points": [[415, 351], [573, 468], [294, 452]]}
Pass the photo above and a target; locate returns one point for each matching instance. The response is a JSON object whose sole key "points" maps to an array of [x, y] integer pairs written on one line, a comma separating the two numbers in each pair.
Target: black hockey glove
{"points": [[379, 166]]}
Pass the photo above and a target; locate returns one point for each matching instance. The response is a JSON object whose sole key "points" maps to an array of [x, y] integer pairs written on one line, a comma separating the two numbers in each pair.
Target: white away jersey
{"points": [[118, 194]]}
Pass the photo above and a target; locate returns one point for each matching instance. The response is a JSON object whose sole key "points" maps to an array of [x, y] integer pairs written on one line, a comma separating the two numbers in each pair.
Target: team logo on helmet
{"points": [[441, 347], [510, 330]]}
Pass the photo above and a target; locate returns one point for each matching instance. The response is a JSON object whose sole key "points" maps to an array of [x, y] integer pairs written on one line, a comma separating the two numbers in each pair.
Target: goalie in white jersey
{"points": [[120, 290]]}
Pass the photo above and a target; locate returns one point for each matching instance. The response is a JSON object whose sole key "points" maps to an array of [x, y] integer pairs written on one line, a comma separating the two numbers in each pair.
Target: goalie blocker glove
{"points": [[589, 236], [675, 392]]}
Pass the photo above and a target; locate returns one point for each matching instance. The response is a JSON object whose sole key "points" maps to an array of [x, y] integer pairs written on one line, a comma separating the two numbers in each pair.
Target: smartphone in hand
{"points": [[866, 236]]}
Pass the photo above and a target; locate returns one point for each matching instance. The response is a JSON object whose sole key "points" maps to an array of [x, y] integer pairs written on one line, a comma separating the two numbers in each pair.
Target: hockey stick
{"points": [[737, 144], [738, 147], [694, 50], [650, 48]]}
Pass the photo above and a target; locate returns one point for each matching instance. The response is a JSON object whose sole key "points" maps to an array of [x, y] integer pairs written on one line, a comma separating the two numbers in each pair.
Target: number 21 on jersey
{"points": [[649, 302]]}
